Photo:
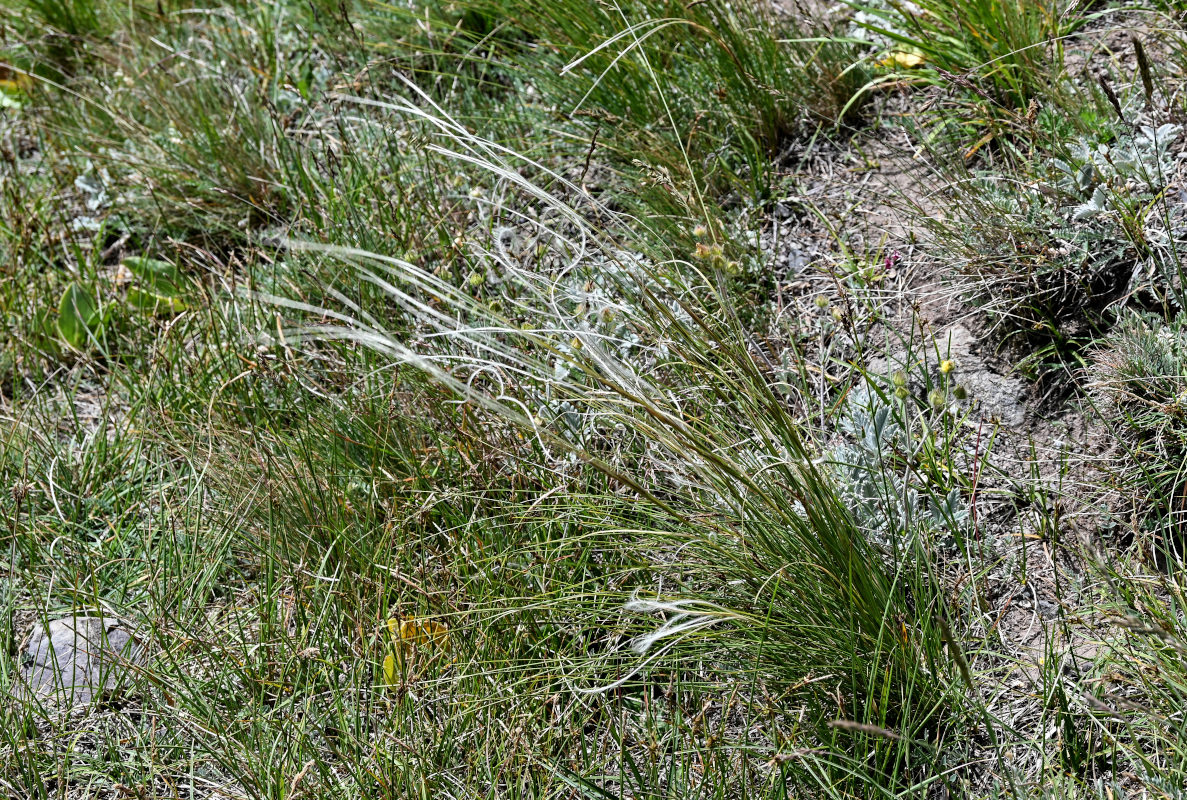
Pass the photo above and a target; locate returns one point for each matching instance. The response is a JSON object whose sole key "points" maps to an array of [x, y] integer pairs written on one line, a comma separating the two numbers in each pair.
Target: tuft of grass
{"points": [[704, 95], [782, 577], [1009, 51], [1137, 384]]}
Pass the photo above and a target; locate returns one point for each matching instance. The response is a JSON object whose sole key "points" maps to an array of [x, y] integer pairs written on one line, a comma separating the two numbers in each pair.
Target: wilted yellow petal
{"points": [[416, 631], [902, 60], [17, 82], [425, 632], [409, 635]]}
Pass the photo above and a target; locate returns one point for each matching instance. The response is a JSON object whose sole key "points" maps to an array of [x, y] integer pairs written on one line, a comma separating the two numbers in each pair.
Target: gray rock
{"points": [[73, 659], [997, 396], [993, 396]]}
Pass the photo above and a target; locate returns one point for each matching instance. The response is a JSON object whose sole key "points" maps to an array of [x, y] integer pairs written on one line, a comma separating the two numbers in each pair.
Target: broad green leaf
{"points": [[154, 303], [159, 278], [78, 316], [45, 324]]}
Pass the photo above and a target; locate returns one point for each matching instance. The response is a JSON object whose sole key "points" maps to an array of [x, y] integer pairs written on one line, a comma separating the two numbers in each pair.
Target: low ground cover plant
{"points": [[1052, 256]]}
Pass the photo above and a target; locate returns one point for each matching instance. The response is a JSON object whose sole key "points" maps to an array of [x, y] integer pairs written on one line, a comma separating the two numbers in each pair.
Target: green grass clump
{"points": [[1138, 381], [705, 95], [1137, 389], [1010, 51], [776, 576]]}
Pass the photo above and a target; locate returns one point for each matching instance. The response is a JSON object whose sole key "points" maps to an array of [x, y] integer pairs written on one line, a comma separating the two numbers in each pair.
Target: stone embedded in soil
{"points": [[995, 395], [992, 395], [73, 659]]}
